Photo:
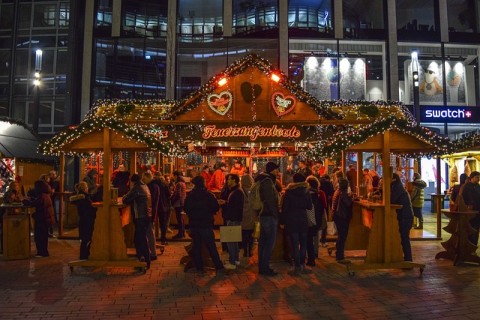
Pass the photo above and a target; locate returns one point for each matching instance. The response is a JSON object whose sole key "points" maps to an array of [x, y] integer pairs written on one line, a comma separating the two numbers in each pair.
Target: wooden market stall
{"points": [[250, 110], [374, 226]]}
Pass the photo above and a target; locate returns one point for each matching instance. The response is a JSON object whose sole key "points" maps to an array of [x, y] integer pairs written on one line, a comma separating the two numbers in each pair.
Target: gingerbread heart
{"points": [[282, 104], [220, 103], [250, 92]]}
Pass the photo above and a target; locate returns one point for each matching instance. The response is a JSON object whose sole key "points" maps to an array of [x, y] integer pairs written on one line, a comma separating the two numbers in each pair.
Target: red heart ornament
{"points": [[283, 104], [220, 103]]}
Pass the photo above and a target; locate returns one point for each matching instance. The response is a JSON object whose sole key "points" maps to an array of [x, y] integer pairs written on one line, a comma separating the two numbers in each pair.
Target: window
{"points": [[363, 19], [254, 16], [310, 15]]}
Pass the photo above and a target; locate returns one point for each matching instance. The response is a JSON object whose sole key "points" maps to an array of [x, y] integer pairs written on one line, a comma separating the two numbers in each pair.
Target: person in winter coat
{"points": [[206, 174], [86, 218], [121, 180], [296, 201], [218, 178], [147, 178], [249, 216], [44, 215], [418, 198], [342, 205], [91, 180], [268, 217], [140, 199], [200, 206], [327, 187], [398, 195], [232, 210], [163, 206], [471, 197], [319, 201], [178, 200]]}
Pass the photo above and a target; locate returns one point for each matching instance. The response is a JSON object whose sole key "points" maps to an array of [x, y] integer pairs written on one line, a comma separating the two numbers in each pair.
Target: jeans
{"points": [[404, 226], [312, 243], [163, 220], [41, 237], [181, 223], [342, 232], [86, 222], [417, 212], [151, 240], [201, 236], [247, 242], [140, 238], [266, 243], [233, 250], [299, 247]]}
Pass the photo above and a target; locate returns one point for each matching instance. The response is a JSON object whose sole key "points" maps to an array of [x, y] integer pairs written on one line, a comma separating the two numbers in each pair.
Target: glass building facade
{"points": [[166, 49]]}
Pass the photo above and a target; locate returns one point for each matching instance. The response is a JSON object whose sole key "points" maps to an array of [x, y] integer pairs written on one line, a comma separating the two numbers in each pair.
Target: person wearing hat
{"points": [[268, 217], [398, 195], [218, 178], [342, 205], [471, 197], [140, 199], [91, 180], [296, 202], [201, 206]]}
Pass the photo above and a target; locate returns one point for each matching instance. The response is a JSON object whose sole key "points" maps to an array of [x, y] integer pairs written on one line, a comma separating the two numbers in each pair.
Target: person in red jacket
{"points": [[218, 178], [206, 174]]}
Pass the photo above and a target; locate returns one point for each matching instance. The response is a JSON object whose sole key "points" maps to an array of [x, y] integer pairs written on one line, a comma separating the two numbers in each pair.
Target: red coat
{"points": [[217, 180]]}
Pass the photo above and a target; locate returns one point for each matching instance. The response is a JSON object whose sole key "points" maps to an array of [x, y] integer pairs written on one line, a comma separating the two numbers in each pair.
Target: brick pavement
{"points": [[45, 289]]}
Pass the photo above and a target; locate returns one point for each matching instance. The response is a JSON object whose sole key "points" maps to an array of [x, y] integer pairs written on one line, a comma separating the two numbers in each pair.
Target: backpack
{"points": [[254, 197]]}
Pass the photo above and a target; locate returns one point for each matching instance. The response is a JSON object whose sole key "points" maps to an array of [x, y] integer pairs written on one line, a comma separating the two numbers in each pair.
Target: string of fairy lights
{"points": [[123, 116]]}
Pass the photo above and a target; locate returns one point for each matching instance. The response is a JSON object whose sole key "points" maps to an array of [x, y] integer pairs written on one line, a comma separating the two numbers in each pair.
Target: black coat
{"points": [[233, 208], [296, 201], [398, 195], [200, 206]]}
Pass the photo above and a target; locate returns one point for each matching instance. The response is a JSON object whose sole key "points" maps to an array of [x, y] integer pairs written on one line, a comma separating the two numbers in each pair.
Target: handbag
{"points": [[311, 217], [331, 228], [256, 230], [230, 233]]}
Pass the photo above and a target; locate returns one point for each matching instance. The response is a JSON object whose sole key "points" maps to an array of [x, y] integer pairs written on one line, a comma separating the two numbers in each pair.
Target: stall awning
{"points": [[17, 141]]}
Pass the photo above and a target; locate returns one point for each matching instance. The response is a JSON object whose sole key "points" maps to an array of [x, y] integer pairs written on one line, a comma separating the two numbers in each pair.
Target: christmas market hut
{"points": [[18, 155]]}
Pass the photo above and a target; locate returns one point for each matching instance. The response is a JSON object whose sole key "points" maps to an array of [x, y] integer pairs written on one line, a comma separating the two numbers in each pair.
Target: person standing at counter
{"points": [[319, 201], [471, 197], [178, 200], [44, 216], [418, 198], [342, 204], [296, 202], [200, 206], [238, 168], [304, 169], [86, 218], [268, 217], [217, 180], [91, 180], [154, 189], [249, 216], [206, 174], [398, 195], [141, 201], [163, 206]]}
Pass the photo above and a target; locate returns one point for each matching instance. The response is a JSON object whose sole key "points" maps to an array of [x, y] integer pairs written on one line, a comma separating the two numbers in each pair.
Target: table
{"points": [[16, 231], [458, 248]]}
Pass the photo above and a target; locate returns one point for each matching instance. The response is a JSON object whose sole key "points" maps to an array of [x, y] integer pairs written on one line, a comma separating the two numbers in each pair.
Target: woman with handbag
{"points": [[296, 202], [319, 201], [178, 201], [342, 204]]}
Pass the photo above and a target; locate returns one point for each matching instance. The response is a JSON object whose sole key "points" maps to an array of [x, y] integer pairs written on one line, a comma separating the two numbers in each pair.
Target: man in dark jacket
{"points": [[268, 218], [398, 195], [233, 213], [200, 206], [154, 189], [163, 206], [296, 201], [342, 214], [327, 187], [141, 201]]}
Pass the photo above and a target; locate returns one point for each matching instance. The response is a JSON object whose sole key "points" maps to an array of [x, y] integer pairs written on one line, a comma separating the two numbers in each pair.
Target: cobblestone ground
{"points": [[46, 289]]}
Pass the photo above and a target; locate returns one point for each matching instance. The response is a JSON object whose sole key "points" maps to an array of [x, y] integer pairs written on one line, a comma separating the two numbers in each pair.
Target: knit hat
{"points": [[135, 178], [271, 166], [474, 174], [298, 177], [199, 181], [343, 184]]}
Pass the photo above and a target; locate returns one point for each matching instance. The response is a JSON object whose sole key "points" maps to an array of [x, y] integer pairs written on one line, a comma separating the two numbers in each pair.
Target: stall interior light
{"points": [[275, 77], [222, 81]]}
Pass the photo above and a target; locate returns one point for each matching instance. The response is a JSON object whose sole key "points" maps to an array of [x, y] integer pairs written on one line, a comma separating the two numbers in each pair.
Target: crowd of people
{"points": [[308, 199]]}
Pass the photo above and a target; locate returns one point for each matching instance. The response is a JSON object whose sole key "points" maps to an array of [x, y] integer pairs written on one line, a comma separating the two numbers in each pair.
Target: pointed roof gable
{"points": [[251, 89]]}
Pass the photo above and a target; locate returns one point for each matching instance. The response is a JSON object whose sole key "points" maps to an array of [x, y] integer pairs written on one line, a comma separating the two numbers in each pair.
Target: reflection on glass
{"points": [[251, 16], [462, 16]]}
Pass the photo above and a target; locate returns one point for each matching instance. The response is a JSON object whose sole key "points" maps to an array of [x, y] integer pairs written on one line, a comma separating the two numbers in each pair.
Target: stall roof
{"points": [[18, 141]]}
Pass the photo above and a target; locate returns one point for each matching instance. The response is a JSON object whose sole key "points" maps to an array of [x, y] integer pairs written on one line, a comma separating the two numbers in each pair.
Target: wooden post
{"points": [[359, 171], [439, 199], [61, 173], [387, 177]]}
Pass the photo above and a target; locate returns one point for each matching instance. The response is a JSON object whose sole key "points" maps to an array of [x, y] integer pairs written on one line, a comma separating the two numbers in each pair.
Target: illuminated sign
{"points": [[449, 114], [210, 132], [220, 103], [282, 104]]}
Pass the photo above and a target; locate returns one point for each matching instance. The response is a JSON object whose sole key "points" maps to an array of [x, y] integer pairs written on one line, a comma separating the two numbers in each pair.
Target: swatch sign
{"points": [[449, 114]]}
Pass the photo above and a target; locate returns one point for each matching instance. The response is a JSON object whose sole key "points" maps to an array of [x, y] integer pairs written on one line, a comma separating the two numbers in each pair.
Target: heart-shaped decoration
{"points": [[220, 103], [283, 104], [250, 92]]}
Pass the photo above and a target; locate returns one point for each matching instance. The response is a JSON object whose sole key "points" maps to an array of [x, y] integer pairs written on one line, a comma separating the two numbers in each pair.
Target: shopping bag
{"points": [[331, 228], [256, 230], [230, 233], [311, 217]]}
